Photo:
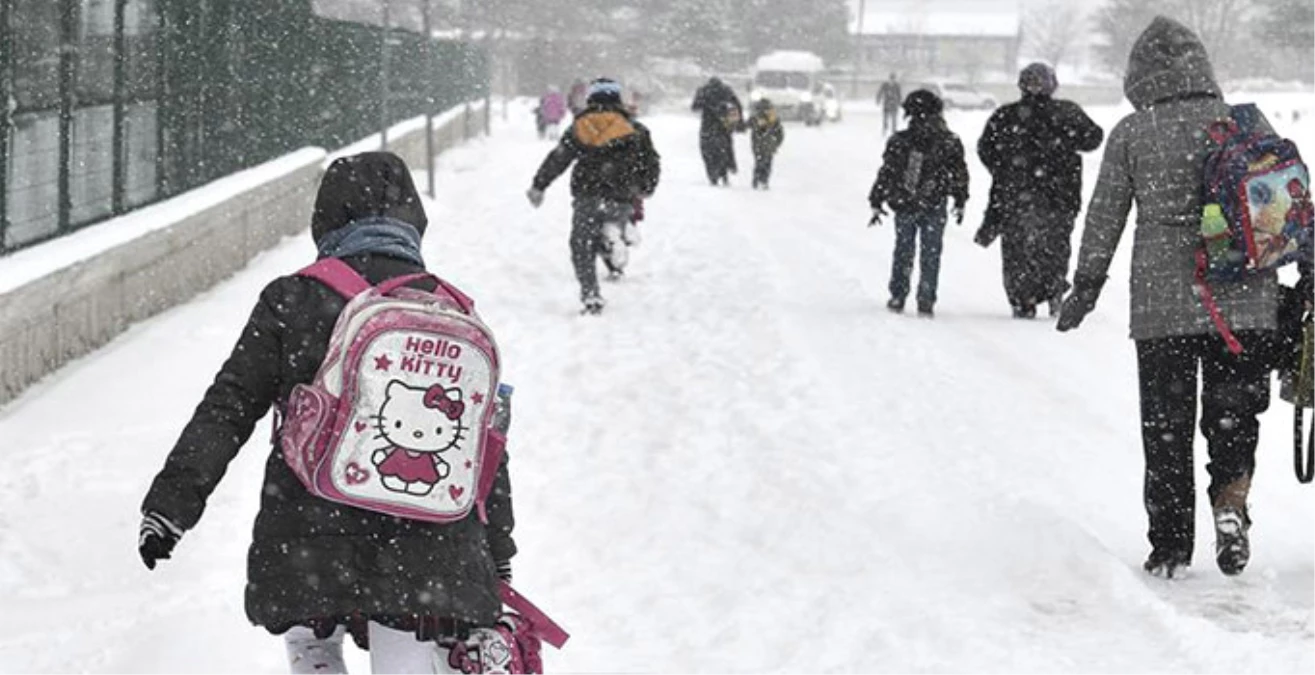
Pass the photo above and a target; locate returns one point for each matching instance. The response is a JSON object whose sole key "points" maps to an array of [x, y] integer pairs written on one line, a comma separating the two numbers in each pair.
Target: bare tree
{"points": [[1054, 30], [1222, 26]]}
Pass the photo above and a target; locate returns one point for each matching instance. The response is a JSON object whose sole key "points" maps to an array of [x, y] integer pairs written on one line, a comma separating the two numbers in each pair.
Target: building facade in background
{"points": [[974, 40]]}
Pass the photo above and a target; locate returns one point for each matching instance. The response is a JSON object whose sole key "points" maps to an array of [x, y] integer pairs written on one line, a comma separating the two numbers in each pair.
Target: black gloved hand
{"points": [[157, 538], [1079, 303]]}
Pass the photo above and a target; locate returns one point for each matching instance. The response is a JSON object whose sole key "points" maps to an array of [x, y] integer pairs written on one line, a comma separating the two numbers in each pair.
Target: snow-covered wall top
{"points": [[987, 18]]}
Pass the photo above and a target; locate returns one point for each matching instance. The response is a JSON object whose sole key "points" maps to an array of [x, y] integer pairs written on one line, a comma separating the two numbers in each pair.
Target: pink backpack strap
{"points": [[463, 301], [337, 275], [1211, 306], [541, 626], [349, 283]]}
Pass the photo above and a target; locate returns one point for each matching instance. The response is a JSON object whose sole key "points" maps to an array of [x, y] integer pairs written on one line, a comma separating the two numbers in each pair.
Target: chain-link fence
{"points": [[113, 104]]}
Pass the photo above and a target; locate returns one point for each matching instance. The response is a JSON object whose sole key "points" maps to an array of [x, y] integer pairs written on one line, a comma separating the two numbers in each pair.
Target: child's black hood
{"points": [[368, 184]]}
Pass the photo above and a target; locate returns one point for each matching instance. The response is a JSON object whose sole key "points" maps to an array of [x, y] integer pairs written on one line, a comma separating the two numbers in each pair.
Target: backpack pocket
{"points": [[305, 433]]}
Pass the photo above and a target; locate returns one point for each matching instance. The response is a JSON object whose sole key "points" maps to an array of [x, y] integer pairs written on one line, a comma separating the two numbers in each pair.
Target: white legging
{"points": [[391, 651]]}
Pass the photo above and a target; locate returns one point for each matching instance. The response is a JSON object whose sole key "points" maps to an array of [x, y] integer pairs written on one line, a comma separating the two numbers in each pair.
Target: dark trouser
{"points": [[592, 214], [889, 121], [762, 167], [1035, 249], [718, 153], [1235, 389], [909, 227]]}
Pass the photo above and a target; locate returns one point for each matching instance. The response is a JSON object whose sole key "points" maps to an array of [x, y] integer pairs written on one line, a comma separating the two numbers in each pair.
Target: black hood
{"points": [[364, 185]]}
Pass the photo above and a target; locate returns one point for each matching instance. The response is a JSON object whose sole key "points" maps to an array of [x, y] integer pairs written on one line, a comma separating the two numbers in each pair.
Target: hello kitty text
{"points": [[431, 357]]}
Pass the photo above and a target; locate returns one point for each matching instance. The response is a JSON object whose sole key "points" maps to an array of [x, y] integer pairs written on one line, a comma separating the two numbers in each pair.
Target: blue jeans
{"points": [[930, 226]]}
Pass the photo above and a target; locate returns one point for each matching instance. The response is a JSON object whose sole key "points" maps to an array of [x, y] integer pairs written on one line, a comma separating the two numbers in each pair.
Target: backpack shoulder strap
{"points": [[1247, 116], [338, 276], [463, 301], [546, 629]]}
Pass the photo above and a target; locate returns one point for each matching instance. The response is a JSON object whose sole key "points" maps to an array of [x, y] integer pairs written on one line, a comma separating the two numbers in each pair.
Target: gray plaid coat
{"points": [[1155, 158]]}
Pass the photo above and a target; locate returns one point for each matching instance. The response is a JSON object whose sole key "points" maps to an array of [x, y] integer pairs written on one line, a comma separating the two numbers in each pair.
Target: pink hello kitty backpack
{"points": [[397, 419]]}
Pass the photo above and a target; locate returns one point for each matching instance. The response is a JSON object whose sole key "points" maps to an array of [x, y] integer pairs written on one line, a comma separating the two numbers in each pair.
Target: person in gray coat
{"points": [[1155, 158]]}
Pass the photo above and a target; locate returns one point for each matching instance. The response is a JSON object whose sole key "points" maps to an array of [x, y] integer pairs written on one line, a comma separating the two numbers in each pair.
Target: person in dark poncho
{"points": [[722, 115], [318, 570], [1031, 148], [922, 169]]}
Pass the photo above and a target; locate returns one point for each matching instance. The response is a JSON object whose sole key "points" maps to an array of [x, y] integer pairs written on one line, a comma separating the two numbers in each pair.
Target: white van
{"points": [[791, 80]]}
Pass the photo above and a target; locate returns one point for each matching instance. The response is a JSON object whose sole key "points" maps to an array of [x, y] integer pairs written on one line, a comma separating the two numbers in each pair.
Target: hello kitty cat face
{"points": [[419, 419]]}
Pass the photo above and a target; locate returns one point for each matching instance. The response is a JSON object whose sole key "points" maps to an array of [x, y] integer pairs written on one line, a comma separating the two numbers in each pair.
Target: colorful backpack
{"points": [[513, 645], [398, 417], [1257, 212]]}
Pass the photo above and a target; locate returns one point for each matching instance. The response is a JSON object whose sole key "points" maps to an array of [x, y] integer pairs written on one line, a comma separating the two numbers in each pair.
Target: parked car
{"points": [[960, 95]]}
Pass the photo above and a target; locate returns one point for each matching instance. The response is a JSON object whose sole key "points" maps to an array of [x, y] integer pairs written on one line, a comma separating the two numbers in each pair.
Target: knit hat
{"points": [[922, 103], [604, 90], [1038, 79]]}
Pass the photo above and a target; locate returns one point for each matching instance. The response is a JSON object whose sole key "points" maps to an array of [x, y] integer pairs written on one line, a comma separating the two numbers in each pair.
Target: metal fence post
{"points": [[67, 32], [6, 114], [118, 141], [429, 94], [162, 38], [383, 79]]}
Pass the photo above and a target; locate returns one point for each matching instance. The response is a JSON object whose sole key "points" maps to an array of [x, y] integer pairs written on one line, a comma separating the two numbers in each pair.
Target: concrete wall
{"points": [[76, 308]]}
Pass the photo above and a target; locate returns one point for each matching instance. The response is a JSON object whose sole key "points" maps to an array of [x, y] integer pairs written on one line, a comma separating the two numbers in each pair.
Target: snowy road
{"points": [[747, 464]]}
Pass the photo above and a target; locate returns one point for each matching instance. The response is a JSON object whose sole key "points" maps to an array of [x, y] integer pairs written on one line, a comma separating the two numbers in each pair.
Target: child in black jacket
{"points": [[766, 134], [318, 569], [923, 167]]}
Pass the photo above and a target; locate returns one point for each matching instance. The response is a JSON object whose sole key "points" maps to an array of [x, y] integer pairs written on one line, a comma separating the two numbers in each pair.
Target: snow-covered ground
{"points": [[746, 464]]}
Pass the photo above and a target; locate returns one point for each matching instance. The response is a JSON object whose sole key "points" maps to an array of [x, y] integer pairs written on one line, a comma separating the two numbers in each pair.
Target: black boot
{"points": [[1167, 564], [896, 305]]}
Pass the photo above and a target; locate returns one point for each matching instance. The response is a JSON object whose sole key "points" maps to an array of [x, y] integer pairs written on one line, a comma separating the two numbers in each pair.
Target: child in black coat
{"points": [[766, 134], [318, 570]]}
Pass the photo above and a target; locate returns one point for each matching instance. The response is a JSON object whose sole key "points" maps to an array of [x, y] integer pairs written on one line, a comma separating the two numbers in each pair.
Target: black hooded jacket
{"points": [[1031, 148], [613, 155], [922, 167], [313, 560]]}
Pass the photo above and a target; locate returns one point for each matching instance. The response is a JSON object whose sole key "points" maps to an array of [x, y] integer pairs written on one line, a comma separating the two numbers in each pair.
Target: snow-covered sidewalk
{"points": [[746, 464]]}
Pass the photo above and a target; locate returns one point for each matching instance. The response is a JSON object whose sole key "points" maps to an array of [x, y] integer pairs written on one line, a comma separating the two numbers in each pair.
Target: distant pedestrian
{"points": [[766, 134], [722, 116], [889, 99], [577, 98], [550, 113]]}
